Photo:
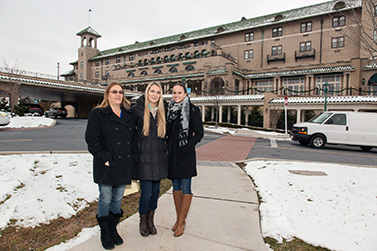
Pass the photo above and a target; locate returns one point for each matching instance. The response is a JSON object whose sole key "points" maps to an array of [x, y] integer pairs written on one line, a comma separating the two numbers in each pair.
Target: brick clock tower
{"points": [[87, 50]]}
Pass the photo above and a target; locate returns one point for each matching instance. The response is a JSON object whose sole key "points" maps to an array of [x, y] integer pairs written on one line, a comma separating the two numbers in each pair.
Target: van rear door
{"points": [[336, 129]]}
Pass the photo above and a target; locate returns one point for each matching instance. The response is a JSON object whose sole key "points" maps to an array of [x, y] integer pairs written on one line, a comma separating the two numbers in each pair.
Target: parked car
{"points": [[56, 112], [34, 109], [4, 118], [345, 128]]}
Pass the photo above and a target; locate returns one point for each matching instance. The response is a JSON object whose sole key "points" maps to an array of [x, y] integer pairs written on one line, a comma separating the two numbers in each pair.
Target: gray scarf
{"points": [[173, 111]]}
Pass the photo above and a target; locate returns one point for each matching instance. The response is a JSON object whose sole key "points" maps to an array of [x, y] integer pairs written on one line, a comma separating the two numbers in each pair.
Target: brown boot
{"points": [[150, 221], [186, 202], [143, 225], [178, 196]]}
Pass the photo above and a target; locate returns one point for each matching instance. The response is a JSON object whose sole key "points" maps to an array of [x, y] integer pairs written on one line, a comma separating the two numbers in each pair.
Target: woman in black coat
{"points": [[184, 131], [110, 136], [152, 159]]}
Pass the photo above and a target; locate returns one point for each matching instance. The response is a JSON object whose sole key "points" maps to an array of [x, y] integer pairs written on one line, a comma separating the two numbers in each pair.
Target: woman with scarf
{"points": [[152, 157], [184, 131]]}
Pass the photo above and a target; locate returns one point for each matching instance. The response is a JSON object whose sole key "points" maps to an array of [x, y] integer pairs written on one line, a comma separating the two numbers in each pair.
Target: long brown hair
{"points": [[161, 119], [105, 102]]}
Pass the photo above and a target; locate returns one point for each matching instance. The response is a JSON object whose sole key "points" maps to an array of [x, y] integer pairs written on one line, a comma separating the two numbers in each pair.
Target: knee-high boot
{"points": [[178, 196], [186, 202], [114, 220], [106, 240]]}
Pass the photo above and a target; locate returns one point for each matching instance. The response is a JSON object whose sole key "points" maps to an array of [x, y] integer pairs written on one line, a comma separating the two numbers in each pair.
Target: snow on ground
{"points": [[220, 129], [337, 210], [35, 188], [27, 122]]}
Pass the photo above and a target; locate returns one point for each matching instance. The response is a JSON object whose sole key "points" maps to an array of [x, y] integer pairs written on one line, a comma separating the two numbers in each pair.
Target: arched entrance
{"points": [[216, 86], [372, 84]]}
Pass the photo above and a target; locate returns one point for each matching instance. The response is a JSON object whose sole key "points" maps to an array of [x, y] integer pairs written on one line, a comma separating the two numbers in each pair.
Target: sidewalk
{"points": [[219, 219], [224, 213]]}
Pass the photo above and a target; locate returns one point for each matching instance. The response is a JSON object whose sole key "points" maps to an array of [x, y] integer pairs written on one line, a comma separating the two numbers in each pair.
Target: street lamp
{"points": [[326, 85]]}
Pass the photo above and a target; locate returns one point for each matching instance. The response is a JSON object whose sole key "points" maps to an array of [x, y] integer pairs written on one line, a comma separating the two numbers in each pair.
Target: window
{"points": [[107, 61], [249, 54], [277, 50], [117, 60], [82, 65], [173, 69], [375, 35], [305, 27], [190, 68], [337, 119], [305, 46], [144, 73], [132, 57], [158, 71], [97, 74], [339, 21], [264, 85], [213, 41], [249, 36], [97, 63], [295, 86], [337, 42], [131, 74], [277, 32], [334, 84], [375, 10], [107, 73]]}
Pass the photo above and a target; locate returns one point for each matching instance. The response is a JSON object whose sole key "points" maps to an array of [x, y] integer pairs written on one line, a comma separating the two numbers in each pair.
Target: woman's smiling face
{"points": [[178, 93]]}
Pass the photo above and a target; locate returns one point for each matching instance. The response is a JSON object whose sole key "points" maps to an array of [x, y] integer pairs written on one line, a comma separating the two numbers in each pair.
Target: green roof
{"points": [[89, 30], [243, 24]]}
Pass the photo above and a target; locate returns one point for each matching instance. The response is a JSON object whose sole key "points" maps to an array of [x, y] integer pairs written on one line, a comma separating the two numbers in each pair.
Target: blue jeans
{"points": [[149, 192], [110, 199], [182, 184]]}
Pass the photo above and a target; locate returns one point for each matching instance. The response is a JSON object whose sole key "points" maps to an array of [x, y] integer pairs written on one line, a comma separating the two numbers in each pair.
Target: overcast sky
{"points": [[36, 35]]}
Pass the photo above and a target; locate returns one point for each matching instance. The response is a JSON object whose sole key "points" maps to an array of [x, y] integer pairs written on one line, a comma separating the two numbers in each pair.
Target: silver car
{"points": [[4, 118]]}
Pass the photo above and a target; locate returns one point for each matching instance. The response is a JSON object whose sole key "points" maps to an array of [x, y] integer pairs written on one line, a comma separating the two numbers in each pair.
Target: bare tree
{"points": [[363, 31], [215, 94]]}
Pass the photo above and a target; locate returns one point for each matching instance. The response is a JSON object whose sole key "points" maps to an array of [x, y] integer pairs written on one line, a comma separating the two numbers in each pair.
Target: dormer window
{"points": [[220, 29], [339, 5], [278, 17], [183, 37]]}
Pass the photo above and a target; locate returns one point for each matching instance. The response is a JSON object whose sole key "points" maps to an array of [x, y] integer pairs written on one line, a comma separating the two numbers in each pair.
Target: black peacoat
{"points": [[182, 160], [152, 159], [112, 139]]}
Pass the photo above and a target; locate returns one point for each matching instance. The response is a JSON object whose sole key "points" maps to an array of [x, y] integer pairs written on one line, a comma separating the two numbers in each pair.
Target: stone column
{"points": [[203, 113], [220, 114], [246, 115], [238, 114], [298, 115], [212, 113]]}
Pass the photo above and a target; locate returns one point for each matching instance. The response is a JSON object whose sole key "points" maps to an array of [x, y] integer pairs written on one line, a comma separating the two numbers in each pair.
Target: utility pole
{"points": [[58, 71]]}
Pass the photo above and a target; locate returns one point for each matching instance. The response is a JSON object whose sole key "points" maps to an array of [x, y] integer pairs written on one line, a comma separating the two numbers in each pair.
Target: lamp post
{"points": [[326, 85]]}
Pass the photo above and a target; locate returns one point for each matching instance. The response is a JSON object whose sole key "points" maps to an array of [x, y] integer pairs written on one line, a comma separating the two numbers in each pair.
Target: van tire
{"points": [[317, 141], [366, 148]]}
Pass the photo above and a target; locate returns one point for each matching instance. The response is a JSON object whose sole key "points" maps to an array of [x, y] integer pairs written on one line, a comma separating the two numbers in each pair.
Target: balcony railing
{"points": [[272, 58], [305, 54]]}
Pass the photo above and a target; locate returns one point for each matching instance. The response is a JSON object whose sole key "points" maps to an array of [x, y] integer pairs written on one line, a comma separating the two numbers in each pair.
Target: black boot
{"points": [[106, 240], [143, 226], [151, 227], [114, 219]]}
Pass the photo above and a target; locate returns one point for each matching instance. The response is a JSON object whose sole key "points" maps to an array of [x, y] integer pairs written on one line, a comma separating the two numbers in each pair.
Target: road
{"points": [[290, 150], [68, 135]]}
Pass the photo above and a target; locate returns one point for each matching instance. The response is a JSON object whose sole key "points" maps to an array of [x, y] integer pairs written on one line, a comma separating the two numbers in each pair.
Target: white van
{"points": [[346, 128]]}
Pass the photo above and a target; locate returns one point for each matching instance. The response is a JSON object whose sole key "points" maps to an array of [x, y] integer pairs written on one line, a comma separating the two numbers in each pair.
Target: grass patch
{"points": [[61, 229], [294, 245]]}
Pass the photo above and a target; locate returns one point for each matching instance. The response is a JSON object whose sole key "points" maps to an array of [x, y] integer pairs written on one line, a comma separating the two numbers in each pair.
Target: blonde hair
{"points": [[105, 102], [161, 120]]}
